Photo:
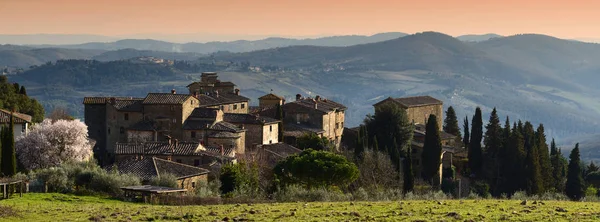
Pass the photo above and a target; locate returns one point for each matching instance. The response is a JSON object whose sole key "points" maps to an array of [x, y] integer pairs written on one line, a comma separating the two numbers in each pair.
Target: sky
{"points": [[302, 18]]}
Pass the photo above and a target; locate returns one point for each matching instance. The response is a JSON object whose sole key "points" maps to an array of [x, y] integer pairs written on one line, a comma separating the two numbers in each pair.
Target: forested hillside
{"points": [[14, 97]]}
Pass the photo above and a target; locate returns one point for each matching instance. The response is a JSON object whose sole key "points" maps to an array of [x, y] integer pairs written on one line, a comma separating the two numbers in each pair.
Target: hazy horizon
{"points": [[201, 21]]}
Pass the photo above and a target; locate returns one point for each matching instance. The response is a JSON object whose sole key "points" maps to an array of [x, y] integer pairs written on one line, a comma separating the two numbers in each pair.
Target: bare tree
{"points": [[60, 113]]}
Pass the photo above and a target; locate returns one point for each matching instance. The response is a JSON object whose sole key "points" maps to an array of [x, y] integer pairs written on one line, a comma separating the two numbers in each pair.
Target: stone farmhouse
{"points": [[21, 122], [418, 108], [306, 115], [199, 116], [188, 177]]}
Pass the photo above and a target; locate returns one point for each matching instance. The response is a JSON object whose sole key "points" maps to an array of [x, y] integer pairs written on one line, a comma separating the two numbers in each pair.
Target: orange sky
{"points": [[566, 19]]}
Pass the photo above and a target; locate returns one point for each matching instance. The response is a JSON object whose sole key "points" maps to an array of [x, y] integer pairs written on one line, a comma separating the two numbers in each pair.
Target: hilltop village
{"points": [[212, 124]]}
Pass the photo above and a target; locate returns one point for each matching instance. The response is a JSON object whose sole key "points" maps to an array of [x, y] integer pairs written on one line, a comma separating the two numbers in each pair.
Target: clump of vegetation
{"points": [[14, 97], [165, 180]]}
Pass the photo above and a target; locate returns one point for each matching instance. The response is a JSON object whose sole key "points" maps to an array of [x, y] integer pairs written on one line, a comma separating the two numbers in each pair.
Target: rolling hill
{"points": [[24, 57]]}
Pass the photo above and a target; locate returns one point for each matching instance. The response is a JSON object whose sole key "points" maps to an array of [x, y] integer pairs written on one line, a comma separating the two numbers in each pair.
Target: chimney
{"points": [[196, 95], [113, 100], [318, 98], [222, 150], [168, 139], [217, 93], [173, 148], [316, 105], [298, 97], [173, 91], [237, 92]]}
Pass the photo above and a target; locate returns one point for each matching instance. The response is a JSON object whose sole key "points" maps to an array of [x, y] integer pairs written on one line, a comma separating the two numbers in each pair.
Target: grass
{"points": [[61, 207]]}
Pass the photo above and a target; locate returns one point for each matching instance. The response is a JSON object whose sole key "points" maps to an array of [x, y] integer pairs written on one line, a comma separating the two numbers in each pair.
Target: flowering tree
{"points": [[52, 143]]}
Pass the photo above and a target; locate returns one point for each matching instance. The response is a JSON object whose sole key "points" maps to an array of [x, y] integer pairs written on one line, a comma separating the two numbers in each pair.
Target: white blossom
{"points": [[52, 143]]}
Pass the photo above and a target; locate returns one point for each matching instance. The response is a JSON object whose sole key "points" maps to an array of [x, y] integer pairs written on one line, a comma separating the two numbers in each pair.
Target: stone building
{"points": [[210, 82], [259, 129], [21, 122], [313, 115], [188, 177], [270, 100], [418, 108]]}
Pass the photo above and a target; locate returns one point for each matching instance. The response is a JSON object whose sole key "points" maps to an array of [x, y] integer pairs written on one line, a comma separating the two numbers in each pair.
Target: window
{"points": [[108, 130], [243, 105], [342, 124], [126, 116], [196, 162], [234, 106], [222, 107], [193, 134], [270, 141], [174, 120], [121, 130], [337, 125], [191, 102], [178, 160], [194, 184], [271, 128], [24, 128]]}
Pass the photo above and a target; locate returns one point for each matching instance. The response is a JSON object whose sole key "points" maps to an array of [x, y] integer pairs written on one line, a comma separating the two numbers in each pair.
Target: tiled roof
{"points": [[223, 134], [129, 105], [271, 96], [247, 118], [144, 125], [206, 100], [197, 124], [17, 117], [227, 98], [104, 100], [147, 168], [225, 126], [414, 101], [165, 98], [322, 105], [281, 150], [216, 151], [297, 130], [204, 113], [157, 148]]}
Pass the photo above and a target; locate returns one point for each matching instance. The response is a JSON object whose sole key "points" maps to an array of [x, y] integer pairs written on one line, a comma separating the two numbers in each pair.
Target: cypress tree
{"points": [[475, 152], [535, 181], [493, 145], [451, 123], [9, 158], [409, 177], [278, 116], [575, 186], [432, 150], [365, 138], [23, 91], [359, 148], [513, 164], [546, 166], [466, 137], [375, 144], [559, 168]]}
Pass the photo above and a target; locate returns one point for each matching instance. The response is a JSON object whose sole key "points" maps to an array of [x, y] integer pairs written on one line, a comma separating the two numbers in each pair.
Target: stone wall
{"points": [[191, 183], [241, 107], [421, 114], [270, 133], [95, 118]]}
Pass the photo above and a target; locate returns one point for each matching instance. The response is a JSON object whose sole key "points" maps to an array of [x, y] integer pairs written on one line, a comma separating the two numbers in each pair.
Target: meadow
{"points": [[62, 207]]}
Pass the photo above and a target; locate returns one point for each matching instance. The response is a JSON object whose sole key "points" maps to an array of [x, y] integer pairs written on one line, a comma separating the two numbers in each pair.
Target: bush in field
{"points": [[481, 188], [80, 178], [242, 178], [52, 143], [210, 189], [295, 193], [166, 180], [313, 168], [376, 171]]}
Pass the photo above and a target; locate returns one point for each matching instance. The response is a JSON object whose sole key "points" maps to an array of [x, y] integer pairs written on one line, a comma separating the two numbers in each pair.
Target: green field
{"points": [[59, 207]]}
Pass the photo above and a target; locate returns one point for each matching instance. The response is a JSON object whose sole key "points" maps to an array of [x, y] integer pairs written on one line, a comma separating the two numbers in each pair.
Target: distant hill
{"points": [[55, 39], [122, 54], [478, 38], [24, 57], [234, 46]]}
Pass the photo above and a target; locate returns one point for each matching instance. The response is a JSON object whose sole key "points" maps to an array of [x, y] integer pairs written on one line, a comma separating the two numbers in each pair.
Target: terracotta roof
{"points": [[322, 105], [197, 124], [216, 151], [205, 113], [271, 96], [223, 134], [227, 98], [104, 100], [206, 100], [298, 130], [165, 98], [414, 101], [147, 168], [129, 105], [281, 150], [247, 119], [158, 148], [17, 117], [225, 126]]}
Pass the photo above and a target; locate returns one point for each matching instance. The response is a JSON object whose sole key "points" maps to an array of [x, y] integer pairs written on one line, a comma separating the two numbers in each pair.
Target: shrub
{"points": [[481, 188], [166, 180], [295, 193], [210, 189], [241, 178], [591, 191]]}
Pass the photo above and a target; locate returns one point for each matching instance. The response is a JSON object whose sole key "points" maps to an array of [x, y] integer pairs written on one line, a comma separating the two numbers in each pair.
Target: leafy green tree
{"points": [[432, 151], [535, 181], [11, 99], [9, 157], [575, 186], [546, 166], [559, 167], [475, 153], [314, 141], [451, 122], [231, 178], [390, 125], [466, 137], [313, 168], [493, 146]]}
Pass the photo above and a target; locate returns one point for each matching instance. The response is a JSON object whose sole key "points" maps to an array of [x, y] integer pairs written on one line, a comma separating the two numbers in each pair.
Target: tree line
{"points": [[13, 97]]}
